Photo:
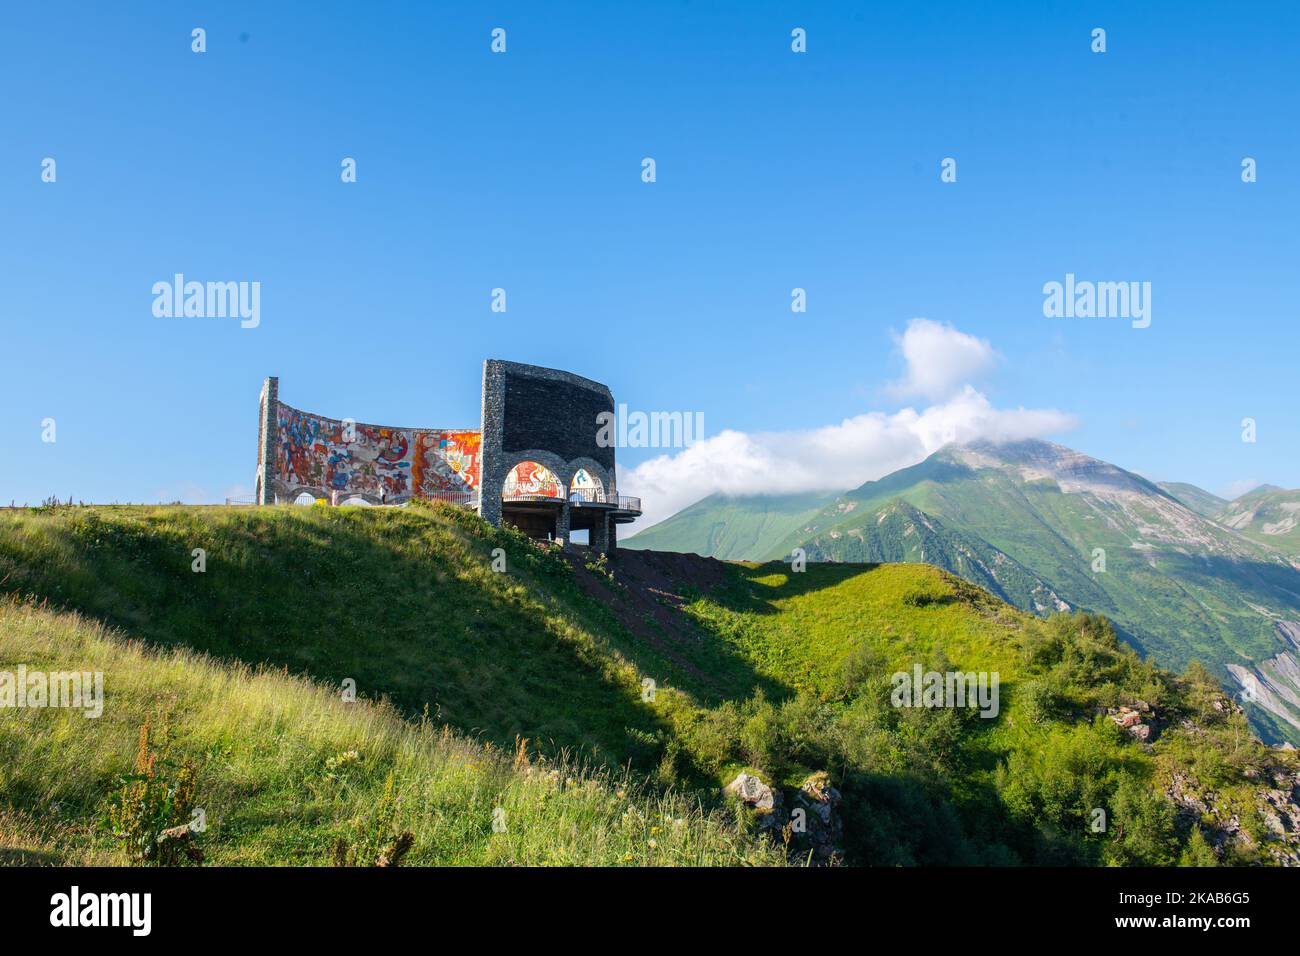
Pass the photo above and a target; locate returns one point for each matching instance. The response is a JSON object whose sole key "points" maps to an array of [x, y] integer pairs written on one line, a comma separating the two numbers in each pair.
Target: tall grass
{"points": [[287, 769]]}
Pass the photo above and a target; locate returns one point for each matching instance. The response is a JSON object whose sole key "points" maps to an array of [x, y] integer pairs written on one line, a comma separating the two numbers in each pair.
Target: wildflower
{"points": [[653, 843]]}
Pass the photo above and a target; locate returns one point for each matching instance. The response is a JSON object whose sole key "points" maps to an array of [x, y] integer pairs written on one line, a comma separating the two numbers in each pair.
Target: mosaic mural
{"points": [[386, 463], [585, 487], [528, 479]]}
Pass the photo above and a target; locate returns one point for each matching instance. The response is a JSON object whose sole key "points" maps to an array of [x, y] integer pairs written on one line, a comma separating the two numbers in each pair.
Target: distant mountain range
{"points": [[1269, 515], [1183, 574]]}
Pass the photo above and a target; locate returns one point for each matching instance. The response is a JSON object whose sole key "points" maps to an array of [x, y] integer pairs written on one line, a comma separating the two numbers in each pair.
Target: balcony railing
{"points": [[548, 490], [596, 496]]}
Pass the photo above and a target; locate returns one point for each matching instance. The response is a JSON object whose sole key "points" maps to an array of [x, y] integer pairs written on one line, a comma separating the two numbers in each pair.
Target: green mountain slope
{"points": [[731, 528], [786, 675], [1180, 587], [1269, 515], [1204, 503], [902, 533]]}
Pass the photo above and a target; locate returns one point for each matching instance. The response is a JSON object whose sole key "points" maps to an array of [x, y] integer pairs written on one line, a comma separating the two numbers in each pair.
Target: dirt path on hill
{"points": [[654, 588]]}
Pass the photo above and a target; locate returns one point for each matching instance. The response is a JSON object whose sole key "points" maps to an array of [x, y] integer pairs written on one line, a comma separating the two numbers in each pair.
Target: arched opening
{"points": [[355, 500], [304, 499], [586, 487], [530, 481], [532, 499]]}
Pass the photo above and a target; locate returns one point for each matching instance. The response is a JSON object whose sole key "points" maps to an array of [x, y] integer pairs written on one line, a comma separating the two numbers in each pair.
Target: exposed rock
{"points": [[1279, 808], [823, 828], [818, 794], [1139, 721], [754, 793], [811, 829]]}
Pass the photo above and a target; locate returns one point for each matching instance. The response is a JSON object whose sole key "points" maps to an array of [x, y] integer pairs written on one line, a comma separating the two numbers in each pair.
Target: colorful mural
{"points": [[528, 479], [585, 487], [385, 463]]}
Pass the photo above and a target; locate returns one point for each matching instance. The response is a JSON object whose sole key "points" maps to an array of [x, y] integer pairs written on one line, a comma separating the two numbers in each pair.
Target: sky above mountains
{"points": [[775, 170]]}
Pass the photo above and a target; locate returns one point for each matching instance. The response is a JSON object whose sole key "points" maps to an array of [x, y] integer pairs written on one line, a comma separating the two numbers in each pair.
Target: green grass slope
{"points": [[755, 667], [731, 528], [901, 533], [286, 769], [403, 602]]}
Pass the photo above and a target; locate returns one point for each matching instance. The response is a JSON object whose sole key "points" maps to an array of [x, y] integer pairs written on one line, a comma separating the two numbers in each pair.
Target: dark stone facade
{"points": [[548, 416], [557, 415]]}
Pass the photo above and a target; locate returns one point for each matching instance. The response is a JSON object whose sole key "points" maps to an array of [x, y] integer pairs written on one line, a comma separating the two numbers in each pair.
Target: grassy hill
{"points": [[755, 667], [286, 770], [902, 533]]}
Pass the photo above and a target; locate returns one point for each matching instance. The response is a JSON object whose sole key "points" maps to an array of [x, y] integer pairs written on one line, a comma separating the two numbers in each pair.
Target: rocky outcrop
{"points": [[811, 828], [754, 793], [1278, 807], [1139, 720]]}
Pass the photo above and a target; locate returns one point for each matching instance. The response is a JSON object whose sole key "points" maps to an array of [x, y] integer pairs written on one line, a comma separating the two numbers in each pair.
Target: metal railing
{"points": [[596, 496], [548, 490], [466, 499]]}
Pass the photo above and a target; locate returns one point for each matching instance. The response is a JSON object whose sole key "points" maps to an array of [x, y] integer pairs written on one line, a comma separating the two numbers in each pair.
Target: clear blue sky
{"points": [[522, 171]]}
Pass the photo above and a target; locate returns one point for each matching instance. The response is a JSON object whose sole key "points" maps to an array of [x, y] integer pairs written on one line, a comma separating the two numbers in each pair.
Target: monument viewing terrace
{"points": [[536, 461]]}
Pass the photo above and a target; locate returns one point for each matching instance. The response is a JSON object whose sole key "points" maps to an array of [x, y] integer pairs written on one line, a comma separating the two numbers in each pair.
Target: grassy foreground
{"points": [[760, 668], [286, 769]]}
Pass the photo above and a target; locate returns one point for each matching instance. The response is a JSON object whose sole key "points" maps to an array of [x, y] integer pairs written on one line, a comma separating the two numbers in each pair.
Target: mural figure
{"points": [[585, 487], [384, 463], [528, 479]]}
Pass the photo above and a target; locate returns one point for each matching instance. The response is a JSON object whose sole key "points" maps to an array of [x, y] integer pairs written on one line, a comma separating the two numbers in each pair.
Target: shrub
{"points": [[1141, 826], [926, 596], [1037, 701], [376, 840], [151, 813]]}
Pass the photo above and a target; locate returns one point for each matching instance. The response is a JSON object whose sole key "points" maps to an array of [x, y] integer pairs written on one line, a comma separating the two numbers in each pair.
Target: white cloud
{"points": [[940, 360], [831, 458]]}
